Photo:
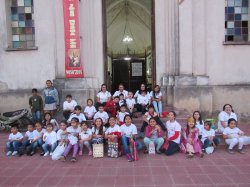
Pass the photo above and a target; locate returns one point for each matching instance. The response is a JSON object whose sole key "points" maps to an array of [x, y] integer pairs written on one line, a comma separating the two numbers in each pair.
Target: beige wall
{"points": [[201, 44], [22, 69]]}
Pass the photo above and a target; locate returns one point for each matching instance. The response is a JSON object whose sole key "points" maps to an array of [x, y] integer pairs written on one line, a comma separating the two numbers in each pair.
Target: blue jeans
{"points": [[158, 142], [125, 143], [13, 146], [172, 148], [208, 143], [36, 116], [36, 144], [157, 106], [47, 146]]}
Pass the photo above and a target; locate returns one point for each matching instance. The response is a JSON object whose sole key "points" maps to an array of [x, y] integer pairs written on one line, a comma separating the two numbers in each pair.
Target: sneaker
{"points": [[90, 153], [42, 153], [46, 154], [190, 156], [51, 154], [32, 153], [130, 159], [80, 153], [158, 152], [241, 151], [63, 158], [73, 159], [230, 151], [14, 153], [9, 153]]}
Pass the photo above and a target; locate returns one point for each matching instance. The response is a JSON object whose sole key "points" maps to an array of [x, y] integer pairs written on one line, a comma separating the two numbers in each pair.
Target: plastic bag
{"points": [[58, 152]]}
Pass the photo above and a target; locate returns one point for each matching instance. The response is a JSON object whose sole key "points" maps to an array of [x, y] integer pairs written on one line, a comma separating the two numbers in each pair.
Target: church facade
{"points": [[200, 53]]}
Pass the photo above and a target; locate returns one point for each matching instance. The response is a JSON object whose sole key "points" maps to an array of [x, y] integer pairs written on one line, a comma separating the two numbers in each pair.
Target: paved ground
{"points": [[219, 169]]}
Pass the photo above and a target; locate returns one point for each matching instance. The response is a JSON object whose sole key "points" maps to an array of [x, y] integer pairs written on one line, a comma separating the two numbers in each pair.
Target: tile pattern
{"points": [[236, 20], [22, 23]]}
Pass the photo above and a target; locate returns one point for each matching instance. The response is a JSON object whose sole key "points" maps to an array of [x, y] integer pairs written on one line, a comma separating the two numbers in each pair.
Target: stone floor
{"points": [[219, 169]]}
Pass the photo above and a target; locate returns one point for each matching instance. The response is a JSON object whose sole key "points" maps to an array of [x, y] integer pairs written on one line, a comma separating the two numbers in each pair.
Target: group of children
{"points": [[196, 138], [112, 122]]}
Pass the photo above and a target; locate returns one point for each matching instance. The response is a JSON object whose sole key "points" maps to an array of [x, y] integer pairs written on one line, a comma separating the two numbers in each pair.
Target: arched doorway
{"points": [[129, 49]]}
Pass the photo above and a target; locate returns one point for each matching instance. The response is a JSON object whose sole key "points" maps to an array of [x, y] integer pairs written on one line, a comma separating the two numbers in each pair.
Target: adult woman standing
{"points": [[224, 116], [51, 100]]}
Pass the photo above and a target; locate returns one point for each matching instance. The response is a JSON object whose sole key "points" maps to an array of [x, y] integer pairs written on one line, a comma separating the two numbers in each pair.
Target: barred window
{"points": [[237, 21], [22, 24]]}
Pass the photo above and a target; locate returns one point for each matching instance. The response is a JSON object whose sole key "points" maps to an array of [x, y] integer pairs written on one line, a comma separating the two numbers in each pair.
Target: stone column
{"points": [[167, 38], [167, 45]]}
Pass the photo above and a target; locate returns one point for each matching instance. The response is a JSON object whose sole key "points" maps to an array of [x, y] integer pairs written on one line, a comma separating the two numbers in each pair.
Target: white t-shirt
{"points": [[143, 99], [29, 135], [199, 126], [61, 136], [81, 117], [157, 95], [104, 116], [130, 102], [223, 116], [69, 106], [103, 96], [205, 133], [232, 133], [171, 128], [85, 134], [96, 131], [16, 136], [116, 128], [50, 138], [137, 94], [128, 130], [121, 116], [124, 92], [71, 131], [38, 135], [90, 110]]}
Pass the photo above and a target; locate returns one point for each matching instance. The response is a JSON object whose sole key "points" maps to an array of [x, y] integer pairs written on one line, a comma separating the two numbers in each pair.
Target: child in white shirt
{"points": [[68, 106], [142, 102], [62, 134], [73, 134], [38, 137], [15, 141], [77, 114], [50, 140], [233, 136], [121, 114], [122, 101], [130, 101], [89, 110], [208, 137], [101, 114], [84, 138], [27, 140], [199, 124], [98, 131]]}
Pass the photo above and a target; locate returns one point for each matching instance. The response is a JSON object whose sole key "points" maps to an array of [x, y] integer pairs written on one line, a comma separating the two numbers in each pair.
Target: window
{"points": [[237, 21], [22, 24]]}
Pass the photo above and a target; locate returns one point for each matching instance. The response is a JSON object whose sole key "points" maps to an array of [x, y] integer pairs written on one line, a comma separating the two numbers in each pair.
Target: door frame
{"points": [[104, 27]]}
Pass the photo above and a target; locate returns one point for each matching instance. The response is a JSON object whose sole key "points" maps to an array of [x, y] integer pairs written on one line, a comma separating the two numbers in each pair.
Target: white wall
{"points": [[22, 69], [28, 69], [201, 44]]}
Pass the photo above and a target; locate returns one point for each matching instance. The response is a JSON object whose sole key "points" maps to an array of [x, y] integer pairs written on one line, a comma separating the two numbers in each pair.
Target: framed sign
{"points": [[136, 69]]}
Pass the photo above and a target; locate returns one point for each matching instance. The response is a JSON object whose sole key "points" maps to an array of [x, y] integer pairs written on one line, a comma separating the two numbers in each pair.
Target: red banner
{"points": [[73, 65]]}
